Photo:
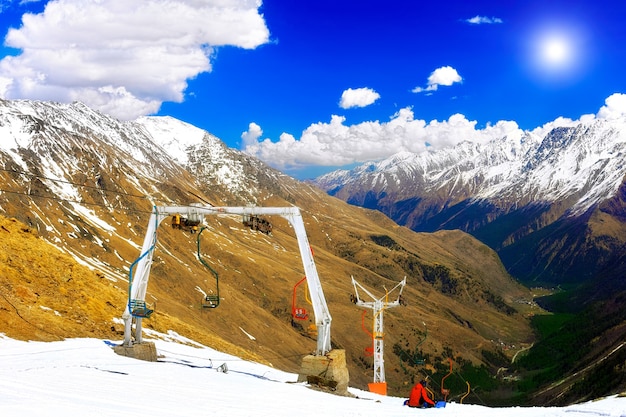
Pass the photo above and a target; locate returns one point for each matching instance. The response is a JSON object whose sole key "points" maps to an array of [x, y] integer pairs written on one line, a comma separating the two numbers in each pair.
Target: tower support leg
{"points": [[146, 351], [328, 370]]}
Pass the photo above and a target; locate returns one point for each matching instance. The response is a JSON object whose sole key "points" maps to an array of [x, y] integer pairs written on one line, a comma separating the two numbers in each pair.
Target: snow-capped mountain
{"points": [[212, 162], [585, 162], [173, 143], [505, 192]]}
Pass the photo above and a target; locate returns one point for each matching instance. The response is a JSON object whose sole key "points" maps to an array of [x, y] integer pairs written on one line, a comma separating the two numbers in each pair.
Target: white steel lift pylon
{"points": [[138, 283], [331, 364], [378, 305]]}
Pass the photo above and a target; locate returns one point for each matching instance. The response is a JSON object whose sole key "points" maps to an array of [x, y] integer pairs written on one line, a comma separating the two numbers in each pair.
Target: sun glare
{"points": [[555, 51]]}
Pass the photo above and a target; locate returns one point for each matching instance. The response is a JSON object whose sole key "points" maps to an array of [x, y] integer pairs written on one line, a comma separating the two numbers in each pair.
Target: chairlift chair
{"points": [[138, 308], [298, 313], [369, 350], [210, 300]]}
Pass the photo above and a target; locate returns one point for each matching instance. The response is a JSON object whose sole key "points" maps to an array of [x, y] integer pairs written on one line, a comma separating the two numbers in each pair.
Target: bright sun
{"points": [[558, 53], [555, 51]]}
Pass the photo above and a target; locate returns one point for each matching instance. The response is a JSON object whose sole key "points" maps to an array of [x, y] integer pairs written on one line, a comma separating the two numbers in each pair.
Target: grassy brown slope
{"points": [[257, 275], [46, 295]]}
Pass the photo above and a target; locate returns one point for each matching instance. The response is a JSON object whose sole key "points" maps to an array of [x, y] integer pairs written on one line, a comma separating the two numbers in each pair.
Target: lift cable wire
{"points": [[72, 183], [67, 200], [122, 193]]}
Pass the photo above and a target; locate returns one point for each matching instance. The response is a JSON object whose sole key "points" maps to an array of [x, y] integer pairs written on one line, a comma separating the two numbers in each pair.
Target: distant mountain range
{"points": [[553, 207]]}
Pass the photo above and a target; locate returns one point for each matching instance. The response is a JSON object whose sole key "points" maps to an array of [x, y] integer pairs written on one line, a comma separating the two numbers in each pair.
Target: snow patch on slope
{"points": [[85, 377], [174, 136]]}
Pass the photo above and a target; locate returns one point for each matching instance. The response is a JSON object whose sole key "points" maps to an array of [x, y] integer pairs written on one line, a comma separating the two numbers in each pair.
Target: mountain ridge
{"points": [[493, 170], [517, 185]]}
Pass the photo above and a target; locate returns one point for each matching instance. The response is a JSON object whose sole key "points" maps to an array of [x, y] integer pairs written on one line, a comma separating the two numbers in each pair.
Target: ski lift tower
{"points": [[378, 305], [331, 363]]}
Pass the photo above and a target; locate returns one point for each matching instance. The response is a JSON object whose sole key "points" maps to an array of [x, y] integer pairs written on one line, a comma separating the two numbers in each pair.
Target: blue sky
{"points": [[309, 86]]}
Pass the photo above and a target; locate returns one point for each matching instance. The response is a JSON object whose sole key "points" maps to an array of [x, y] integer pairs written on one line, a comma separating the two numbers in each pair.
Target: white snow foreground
{"points": [[85, 377]]}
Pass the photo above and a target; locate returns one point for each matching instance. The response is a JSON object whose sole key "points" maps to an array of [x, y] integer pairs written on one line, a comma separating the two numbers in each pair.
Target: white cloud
{"points": [[252, 135], [360, 97], [614, 107], [445, 76], [483, 20], [123, 57], [336, 144]]}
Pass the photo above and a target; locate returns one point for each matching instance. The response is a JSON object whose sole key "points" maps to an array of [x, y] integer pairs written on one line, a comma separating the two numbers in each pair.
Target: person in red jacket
{"points": [[419, 396]]}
